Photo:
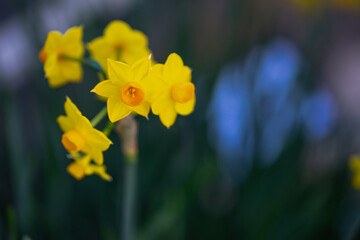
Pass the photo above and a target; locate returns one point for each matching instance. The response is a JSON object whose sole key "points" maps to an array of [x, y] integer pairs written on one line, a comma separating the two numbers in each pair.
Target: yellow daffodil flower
{"points": [[178, 95], [120, 43], [355, 168], [82, 167], [127, 89], [56, 56], [80, 136]]}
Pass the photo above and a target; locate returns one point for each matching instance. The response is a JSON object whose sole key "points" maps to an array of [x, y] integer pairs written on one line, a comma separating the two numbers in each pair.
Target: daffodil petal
{"points": [[133, 53], [64, 123], [168, 117], [53, 41], [162, 102], [97, 156], [117, 109], [185, 74], [56, 81], [100, 50], [138, 39], [73, 45], [71, 110], [154, 86], [103, 174], [83, 160], [143, 109], [185, 108], [72, 71], [141, 69], [83, 125], [97, 140], [173, 67], [157, 69], [106, 89], [51, 67], [98, 170], [116, 30], [119, 72]]}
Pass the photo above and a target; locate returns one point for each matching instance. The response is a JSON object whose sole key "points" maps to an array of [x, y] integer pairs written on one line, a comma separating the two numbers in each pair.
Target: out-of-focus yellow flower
{"points": [[311, 5], [127, 89], [82, 167], [57, 53], [354, 165], [178, 94], [80, 136], [347, 4], [120, 43]]}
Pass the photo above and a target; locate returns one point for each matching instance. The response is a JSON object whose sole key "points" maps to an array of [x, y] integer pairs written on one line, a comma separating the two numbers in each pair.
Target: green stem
{"points": [[99, 116], [129, 192], [90, 63], [109, 127]]}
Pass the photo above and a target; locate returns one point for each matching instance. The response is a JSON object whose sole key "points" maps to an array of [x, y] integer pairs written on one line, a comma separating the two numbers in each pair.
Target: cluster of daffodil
{"points": [[131, 84]]}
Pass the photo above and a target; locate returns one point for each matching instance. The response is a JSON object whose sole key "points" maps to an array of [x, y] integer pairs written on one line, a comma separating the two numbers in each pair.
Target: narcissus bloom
{"points": [[58, 48], [80, 136], [127, 89], [82, 167], [355, 168], [120, 43], [178, 95]]}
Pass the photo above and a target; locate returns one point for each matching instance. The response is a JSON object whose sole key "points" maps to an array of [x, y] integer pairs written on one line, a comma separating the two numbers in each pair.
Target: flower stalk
{"points": [[108, 128], [128, 205], [99, 116], [127, 130]]}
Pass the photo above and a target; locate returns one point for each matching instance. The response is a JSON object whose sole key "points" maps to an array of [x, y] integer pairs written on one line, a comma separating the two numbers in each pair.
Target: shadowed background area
{"points": [[264, 155]]}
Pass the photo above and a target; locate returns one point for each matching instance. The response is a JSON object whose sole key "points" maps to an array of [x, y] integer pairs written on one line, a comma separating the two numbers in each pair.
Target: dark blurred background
{"points": [[264, 155]]}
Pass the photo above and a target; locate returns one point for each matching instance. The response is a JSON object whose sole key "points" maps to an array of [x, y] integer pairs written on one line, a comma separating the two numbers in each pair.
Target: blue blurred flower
{"points": [[254, 108], [276, 109], [230, 127], [318, 113]]}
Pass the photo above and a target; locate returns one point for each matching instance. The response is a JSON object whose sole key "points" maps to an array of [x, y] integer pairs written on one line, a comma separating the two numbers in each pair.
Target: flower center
{"points": [[132, 94], [73, 141], [42, 55], [182, 92], [76, 170]]}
